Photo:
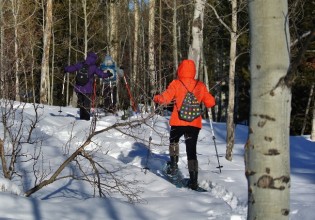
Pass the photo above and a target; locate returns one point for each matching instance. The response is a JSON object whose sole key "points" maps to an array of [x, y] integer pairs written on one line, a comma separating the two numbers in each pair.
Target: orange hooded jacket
{"points": [[176, 91]]}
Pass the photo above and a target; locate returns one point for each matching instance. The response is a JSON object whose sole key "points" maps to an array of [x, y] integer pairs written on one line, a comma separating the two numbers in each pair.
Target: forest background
{"points": [[39, 38]]}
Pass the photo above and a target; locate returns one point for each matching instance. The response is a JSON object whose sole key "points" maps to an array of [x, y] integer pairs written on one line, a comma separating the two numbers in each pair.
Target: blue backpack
{"points": [[109, 65]]}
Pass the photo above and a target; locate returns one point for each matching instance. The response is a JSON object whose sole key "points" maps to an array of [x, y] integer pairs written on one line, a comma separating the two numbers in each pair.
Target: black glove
{"points": [[109, 74]]}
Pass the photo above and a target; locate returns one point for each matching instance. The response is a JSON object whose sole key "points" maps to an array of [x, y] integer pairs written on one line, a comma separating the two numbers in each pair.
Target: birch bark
{"points": [[197, 34], [267, 158], [44, 81], [151, 59]]}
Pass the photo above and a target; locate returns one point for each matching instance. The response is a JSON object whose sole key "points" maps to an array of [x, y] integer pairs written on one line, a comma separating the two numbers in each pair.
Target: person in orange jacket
{"points": [[176, 92]]}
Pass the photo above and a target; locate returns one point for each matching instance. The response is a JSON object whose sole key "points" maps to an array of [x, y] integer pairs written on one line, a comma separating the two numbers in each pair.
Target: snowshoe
{"points": [[173, 175], [171, 169]]}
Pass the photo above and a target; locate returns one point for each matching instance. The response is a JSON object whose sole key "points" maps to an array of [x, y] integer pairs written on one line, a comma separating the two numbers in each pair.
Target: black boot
{"points": [[172, 166], [193, 174], [193, 180]]}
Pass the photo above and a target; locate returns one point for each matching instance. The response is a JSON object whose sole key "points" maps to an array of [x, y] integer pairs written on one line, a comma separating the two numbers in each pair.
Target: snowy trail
{"points": [[125, 149], [217, 192], [225, 199]]}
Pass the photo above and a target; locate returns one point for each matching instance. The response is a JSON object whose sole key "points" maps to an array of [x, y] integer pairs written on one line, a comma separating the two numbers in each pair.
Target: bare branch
{"points": [[80, 150]]}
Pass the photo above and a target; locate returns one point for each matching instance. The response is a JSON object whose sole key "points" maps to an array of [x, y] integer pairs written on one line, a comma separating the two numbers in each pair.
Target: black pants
{"points": [[191, 136], [84, 104]]}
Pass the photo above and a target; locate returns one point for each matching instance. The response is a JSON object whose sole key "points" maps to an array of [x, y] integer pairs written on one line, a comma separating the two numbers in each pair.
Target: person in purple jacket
{"points": [[84, 92]]}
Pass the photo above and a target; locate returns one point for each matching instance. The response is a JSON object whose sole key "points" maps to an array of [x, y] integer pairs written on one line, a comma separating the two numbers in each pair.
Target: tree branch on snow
{"points": [[119, 186]]}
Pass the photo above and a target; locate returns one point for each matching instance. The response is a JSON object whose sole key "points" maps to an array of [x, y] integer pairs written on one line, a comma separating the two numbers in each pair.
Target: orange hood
{"points": [[187, 69]]}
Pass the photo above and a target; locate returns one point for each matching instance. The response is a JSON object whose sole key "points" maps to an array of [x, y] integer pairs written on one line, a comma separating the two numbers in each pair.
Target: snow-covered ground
{"points": [[67, 199]]}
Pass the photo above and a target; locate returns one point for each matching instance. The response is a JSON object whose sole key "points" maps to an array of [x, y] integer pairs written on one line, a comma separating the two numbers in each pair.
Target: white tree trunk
{"points": [[267, 160], [159, 86], [69, 51], [197, 34], [15, 12], [175, 47], [74, 98], [151, 59], [114, 42], [32, 74], [136, 44], [230, 129], [85, 27], [51, 91], [113, 35], [307, 109], [45, 58]]}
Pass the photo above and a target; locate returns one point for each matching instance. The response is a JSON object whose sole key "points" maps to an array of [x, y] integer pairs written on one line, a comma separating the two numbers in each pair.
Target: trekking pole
{"points": [[130, 96], [150, 140], [111, 93], [213, 138], [93, 97], [93, 122], [217, 84], [63, 83], [63, 90]]}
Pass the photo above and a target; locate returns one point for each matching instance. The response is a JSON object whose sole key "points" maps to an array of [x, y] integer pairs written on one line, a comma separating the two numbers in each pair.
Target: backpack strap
{"points": [[85, 65], [186, 87]]}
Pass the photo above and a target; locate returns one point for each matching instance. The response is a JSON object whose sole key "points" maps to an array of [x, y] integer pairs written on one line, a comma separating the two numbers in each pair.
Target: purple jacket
{"points": [[92, 69]]}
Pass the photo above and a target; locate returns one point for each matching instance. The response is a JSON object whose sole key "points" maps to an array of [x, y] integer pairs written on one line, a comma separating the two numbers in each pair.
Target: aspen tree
{"points": [[267, 158], [151, 47], [197, 34], [136, 43], [44, 81]]}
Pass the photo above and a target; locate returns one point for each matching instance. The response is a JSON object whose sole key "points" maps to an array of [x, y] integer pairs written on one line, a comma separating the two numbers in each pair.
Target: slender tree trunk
{"points": [[205, 71], [25, 73], [74, 98], [160, 48], [197, 34], [144, 78], [230, 129], [267, 158], [85, 27], [175, 46], [1, 51], [45, 58], [15, 12], [221, 93], [307, 109], [113, 35], [32, 74], [51, 94], [135, 45], [151, 54], [69, 51]]}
